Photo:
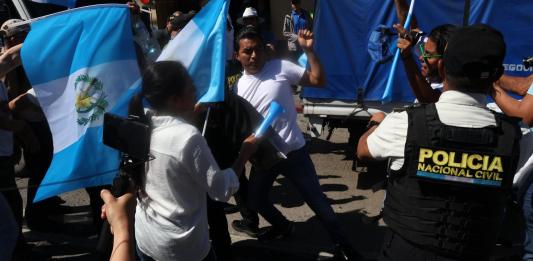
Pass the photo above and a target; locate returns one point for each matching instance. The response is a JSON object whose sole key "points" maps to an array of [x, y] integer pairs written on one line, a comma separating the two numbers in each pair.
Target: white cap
{"points": [[249, 12]]}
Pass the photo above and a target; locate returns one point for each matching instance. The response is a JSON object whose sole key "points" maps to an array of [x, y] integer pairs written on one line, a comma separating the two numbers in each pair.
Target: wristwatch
{"points": [[372, 123]]}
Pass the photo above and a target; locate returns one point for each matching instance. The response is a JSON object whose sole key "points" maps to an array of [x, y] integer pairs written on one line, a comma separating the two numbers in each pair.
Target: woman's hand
{"points": [[118, 211]]}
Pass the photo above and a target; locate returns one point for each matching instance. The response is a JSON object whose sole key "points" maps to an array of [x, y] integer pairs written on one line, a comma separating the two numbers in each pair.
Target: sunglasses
{"points": [[421, 52]]}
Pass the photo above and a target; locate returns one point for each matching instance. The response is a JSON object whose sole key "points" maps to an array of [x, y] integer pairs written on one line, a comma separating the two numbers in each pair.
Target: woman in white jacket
{"points": [[171, 217]]}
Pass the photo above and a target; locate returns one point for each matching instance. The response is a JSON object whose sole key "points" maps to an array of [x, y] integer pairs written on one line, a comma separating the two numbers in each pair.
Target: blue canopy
{"points": [[343, 27]]}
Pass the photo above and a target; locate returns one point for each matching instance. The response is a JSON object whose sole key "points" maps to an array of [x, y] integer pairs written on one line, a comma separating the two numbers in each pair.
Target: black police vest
{"points": [[449, 196]]}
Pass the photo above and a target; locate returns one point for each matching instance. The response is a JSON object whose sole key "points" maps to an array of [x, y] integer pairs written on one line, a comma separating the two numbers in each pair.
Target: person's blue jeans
{"points": [[527, 209], [300, 170]]}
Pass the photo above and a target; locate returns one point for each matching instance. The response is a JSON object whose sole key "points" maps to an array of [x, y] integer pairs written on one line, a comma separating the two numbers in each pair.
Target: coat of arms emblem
{"points": [[90, 99]]}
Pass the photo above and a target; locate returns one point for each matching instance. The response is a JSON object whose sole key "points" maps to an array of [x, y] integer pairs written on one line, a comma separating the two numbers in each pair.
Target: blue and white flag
{"points": [[201, 48], [81, 64], [67, 3]]}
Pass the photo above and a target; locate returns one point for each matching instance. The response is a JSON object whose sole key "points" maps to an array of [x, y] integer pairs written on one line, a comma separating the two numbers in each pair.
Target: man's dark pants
{"points": [[299, 169], [249, 216], [9, 189]]}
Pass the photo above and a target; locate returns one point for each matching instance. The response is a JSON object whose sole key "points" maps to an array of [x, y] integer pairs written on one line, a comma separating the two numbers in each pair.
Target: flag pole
{"points": [[206, 119], [466, 15], [387, 94]]}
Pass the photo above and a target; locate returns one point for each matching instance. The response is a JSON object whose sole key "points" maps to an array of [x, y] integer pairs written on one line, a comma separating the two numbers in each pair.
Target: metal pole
{"points": [[466, 16], [22, 9], [205, 122]]}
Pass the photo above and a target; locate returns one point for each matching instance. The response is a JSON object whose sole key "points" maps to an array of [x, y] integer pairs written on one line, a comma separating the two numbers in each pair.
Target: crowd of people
{"points": [[452, 161]]}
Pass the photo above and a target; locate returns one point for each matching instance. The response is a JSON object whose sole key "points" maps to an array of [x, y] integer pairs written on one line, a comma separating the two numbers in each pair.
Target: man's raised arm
{"points": [[315, 77]]}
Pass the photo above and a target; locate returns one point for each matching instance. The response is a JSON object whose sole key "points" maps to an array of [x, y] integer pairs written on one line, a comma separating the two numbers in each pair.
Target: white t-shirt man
{"points": [[273, 83], [454, 108]]}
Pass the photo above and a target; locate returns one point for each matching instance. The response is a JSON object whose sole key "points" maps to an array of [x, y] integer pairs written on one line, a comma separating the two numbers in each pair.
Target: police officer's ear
{"points": [[440, 68], [498, 72]]}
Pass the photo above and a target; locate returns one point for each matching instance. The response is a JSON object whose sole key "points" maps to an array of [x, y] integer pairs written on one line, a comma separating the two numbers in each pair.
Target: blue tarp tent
{"points": [[342, 29]]}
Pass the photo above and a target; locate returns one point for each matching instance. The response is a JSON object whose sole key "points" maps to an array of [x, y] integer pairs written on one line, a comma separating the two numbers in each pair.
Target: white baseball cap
{"points": [[249, 12]]}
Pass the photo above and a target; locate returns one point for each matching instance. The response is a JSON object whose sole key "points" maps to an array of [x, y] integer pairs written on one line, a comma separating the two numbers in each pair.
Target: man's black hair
{"points": [[440, 35], [248, 32]]}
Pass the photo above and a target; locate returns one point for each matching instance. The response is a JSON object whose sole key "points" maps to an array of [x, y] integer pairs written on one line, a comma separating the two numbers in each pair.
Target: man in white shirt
{"points": [[262, 83], [441, 204]]}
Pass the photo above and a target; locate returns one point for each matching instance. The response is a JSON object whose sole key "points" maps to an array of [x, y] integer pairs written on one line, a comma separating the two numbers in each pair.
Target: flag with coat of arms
{"points": [[81, 64]]}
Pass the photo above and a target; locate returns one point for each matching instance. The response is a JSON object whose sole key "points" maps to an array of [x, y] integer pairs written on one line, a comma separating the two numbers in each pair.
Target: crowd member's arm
{"points": [[315, 76], [401, 12], [119, 212], [18, 127], [363, 153], [518, 85], [512, 107], [10, 59], [421, 88], [287, 32], [248, 148], [199, 161]]}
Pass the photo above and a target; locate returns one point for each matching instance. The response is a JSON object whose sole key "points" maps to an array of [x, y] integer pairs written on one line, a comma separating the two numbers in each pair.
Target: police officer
{"points": [[451, 162]]}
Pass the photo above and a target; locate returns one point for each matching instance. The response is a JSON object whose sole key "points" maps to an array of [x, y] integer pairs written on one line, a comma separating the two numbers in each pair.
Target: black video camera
{"points": [[528, 62], [129, 136]]}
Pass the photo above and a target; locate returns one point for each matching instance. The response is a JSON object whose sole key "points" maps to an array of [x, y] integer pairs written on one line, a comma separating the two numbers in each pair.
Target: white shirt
{"points": [[171, 218], [6, 137], [273, 83], [525, 162], [454, 108], [437, 85]]}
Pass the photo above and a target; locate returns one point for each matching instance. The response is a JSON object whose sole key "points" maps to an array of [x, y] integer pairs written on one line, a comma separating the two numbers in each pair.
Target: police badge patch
{"points": [[90, 99], [466, 167]]}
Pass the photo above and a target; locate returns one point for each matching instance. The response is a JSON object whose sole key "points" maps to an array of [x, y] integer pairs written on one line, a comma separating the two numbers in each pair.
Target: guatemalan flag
{"points": [[201, 48], [81, 64]]}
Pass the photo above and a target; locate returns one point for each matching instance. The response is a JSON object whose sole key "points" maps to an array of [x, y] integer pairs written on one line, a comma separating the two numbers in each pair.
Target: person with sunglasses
{"points": [[425, 81]]}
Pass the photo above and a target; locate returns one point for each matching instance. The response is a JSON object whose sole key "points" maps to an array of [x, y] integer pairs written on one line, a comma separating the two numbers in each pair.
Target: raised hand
{"points": [[404, 40], [305, 39]]}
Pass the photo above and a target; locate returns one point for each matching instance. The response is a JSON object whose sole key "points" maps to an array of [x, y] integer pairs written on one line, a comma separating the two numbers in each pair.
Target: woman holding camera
{"points": [[170, 218]]}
